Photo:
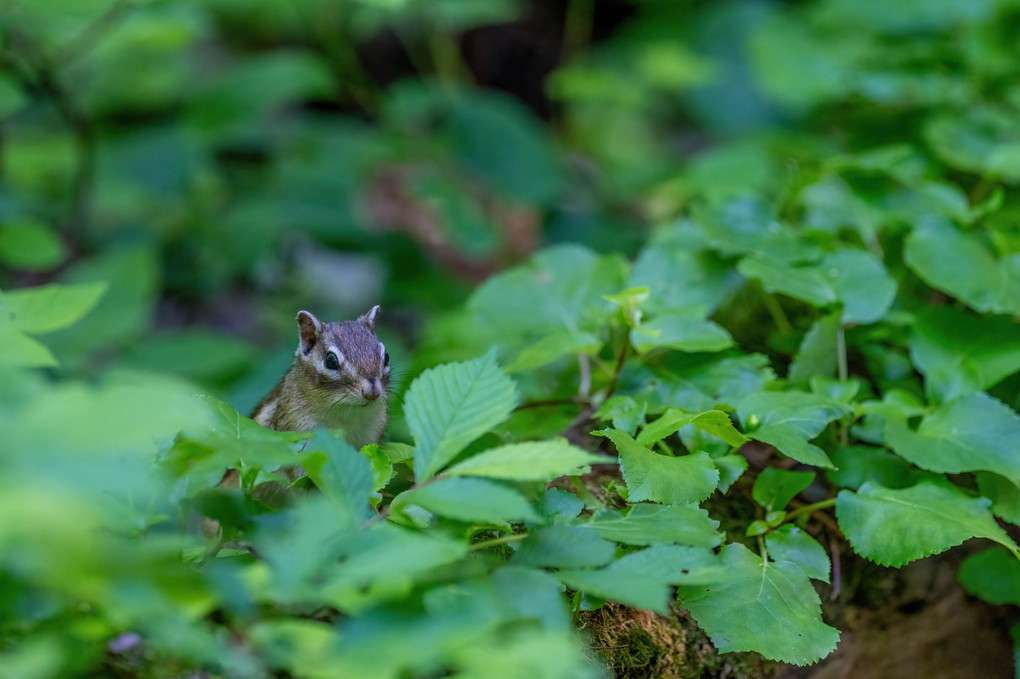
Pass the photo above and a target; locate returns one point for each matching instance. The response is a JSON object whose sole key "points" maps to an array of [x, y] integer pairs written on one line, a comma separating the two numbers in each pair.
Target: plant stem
{"points": [[619, 367], [485, 544], [807, 509], [777, 313], [844, 428], [577, 25]]}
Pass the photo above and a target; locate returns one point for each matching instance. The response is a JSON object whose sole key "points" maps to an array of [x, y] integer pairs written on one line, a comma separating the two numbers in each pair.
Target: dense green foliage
{"points": [[786, 229]]}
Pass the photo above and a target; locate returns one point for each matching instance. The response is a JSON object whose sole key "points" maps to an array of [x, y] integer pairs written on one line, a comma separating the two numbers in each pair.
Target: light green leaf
{"points": [[642, 579], [806, 283], [792, 444], [669, 480], [469, 500], [858, 464], [960, 353], [556, 502], [774, 488], [682, 330], [993, 575], [1004, 494], [563, 547], [625, 412], [649, 524], [895, 527], [790, 543], [731, 468], [342, 473], [779, 610], [19, 350], [29, 245], [530, 461], [677, 278], [961, 265], [51, 307], [718, 424], [714, 422], [553, 347], [450, 406], [973, 433], [788, 420], [817, 353]]}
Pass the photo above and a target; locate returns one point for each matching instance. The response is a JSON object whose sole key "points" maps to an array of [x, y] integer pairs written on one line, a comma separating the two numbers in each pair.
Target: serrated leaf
{"points": [[669, 480], [790, 543], [960, 353], [665, 425], [682, 330], [718, 424], [792, 444], [649, 524], [342, 473], [961, 265], [973, 433], [774, 488], [51, 307], [450, 406], [788, 420], [731, 468], [780, 615], [530, 461], [895, 527], [857, 465], [553, 347], [642, 579], [467, 499], [714, 422], [993, 575], [563, 547], [556, 502]]}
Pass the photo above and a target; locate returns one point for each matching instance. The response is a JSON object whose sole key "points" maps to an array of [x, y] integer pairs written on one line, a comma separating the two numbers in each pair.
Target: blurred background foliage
{"points": [[215, 165]]}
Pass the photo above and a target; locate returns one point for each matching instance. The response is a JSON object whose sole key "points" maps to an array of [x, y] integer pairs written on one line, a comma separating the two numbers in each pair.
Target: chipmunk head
{"points": [[345, 358]]}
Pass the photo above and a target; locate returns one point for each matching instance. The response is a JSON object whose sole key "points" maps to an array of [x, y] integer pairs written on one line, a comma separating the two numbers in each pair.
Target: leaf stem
{"points": [[841, 365], [619, 367], [485, 544], [776, 311], [807, 509]]}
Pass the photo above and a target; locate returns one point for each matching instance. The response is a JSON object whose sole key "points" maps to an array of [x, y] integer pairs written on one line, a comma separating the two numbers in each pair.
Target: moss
{"points": [[641, 644]]}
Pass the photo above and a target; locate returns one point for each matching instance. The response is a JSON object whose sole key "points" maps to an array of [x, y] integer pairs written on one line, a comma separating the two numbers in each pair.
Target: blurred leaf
{"points": [[1004, 494], [993, 575], [450, 406], [677, 278], [342, 473], [979, 139], [895, 527], [683, 330], [47, 308], [563, 547], [30, 245], [553, 347], [817, 353]]}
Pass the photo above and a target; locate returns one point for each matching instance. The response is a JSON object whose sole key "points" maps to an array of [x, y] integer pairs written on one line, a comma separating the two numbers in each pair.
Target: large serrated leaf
{"points": [[529, 461], [895, 527], [450, 406], [973, 433], [659, 478], [714, 422], [770, 608], [342, 473]]}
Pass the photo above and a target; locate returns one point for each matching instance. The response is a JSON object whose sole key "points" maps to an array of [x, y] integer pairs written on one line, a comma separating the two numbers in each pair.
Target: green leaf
{"points": [[714, 422], [51, 307], [642, 579], [682, 330], [817, 353], [30, 245], [973, 433], [789, 419], [961, 265], [1004, 494], [854, 278], [556, 502], [960, 353], [790, 543], [993, 575], [895, 527], [669, 480], [718, 424], [450, 406], [553, 347], [731, 468], [748, 225], [677, 278], [563, 547], [780, 613], [469, 500], [979, 139], [856, 465], [342, 473], [530, 461], [649, 524], [625, 412], [790, 443], [774, 488]]}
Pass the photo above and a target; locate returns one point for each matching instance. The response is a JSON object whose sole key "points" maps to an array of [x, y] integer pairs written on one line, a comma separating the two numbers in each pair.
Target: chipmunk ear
{"points": [[311, 331], [369, 318]]}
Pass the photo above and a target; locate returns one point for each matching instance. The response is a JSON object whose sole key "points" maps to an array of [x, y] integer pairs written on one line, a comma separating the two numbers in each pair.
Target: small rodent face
{"points": [[345, 358]]}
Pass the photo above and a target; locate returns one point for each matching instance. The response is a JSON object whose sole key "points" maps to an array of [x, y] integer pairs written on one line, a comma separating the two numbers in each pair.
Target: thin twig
{"points": [[618, 369]]}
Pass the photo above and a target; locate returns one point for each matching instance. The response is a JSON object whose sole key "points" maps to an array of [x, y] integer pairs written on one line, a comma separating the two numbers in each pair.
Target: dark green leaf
{"points": [[774, 488]]}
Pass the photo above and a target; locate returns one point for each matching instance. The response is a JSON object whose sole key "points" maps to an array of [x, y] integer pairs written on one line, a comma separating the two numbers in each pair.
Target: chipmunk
{"points": [[339, 379]]}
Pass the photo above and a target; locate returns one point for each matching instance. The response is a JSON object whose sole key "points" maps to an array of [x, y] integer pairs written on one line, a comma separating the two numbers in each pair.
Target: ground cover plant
{"points": [[726, 309]]}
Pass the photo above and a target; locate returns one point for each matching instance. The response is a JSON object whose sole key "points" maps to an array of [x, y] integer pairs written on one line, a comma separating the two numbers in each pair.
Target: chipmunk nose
{"points": [[371, 389]]}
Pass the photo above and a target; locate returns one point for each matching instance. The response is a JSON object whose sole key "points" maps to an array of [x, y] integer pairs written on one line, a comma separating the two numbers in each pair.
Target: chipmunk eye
{"points": [[386, 360], [332, 363]]}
